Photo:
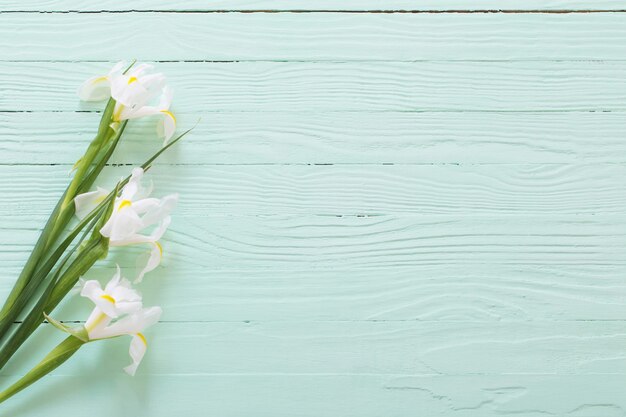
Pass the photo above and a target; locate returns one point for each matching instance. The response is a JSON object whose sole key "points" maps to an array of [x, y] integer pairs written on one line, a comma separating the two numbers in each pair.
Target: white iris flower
{"points": [[134, 91], [133, 212], [118, 311]]}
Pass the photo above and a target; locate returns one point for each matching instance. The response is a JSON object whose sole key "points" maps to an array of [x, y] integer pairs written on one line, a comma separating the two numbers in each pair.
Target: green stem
{"points": [[7, 314], [33, 273], [63, 281], [96, 249], [25, 295], [52, 297], [53, 360], [104, 132]]}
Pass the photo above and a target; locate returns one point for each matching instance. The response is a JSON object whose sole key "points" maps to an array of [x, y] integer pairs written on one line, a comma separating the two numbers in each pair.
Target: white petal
{"points": [[165, 101], [156, 253], [127, 300], [95, 89], [131, 324], [86, 202], [167, 126], [133, 186], [140, 69], [121, 226], [140, 112], [116, 299], [91, 289], [107, 304], [138, 347], [97, 321], [155, 83], [144, 191], [135, 238], [146, 204], [160, 211], [158, 233], [132, 96], [114, 281], [119, 67]]}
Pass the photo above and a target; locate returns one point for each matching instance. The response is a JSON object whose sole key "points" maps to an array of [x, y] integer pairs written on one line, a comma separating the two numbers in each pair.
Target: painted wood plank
{"points": [[348, 86], [310, 5], [317, 36], [490, 269], [456, 191], [469, 293], [332, 137], [330, 395], [322, 243], [357, 349], [384, 311], [335, 246]]}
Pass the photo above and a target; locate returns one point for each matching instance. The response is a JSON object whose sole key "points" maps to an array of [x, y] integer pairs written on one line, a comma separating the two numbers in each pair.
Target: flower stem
{"points": [[102, 137], [36, 270], [96, 249], [53, 360]]}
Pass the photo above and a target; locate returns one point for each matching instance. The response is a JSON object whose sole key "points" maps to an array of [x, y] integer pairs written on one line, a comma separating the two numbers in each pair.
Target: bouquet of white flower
{"points": [[67, 248]]}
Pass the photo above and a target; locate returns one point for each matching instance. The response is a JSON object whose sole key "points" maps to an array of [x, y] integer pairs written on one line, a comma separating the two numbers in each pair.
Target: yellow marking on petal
{"points": [[160, 248], [108, 298], [100, 199], [132, 80], [99, 79], [96, 322], [143, 339], [124, 203], [170, 114]]}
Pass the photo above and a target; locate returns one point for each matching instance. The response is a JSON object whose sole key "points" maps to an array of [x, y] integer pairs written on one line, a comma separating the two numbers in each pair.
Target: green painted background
{"points": [[417, 213]]}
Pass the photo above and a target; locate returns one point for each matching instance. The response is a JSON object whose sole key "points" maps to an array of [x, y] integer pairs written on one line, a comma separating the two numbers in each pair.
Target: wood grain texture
{"points": [[340, 86], [469, 293], [319, 36], [333, 138], [311, 5], [496, 369], [366, 348], [329, 395], [329, 242], [394, 209], [456, 191], [514, 249], [568, 265]]}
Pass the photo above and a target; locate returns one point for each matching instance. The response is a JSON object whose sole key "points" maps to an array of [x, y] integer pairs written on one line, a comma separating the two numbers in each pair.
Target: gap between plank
{"points": [[275, 11]]}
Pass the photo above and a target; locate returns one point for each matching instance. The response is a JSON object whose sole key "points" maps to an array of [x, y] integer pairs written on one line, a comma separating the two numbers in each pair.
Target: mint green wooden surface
{"points": [[418, 213]]}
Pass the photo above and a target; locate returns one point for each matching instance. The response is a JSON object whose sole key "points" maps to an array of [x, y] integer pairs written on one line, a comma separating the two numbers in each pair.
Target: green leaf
{"points": [[53, 360], [54, 227], [78, 332], [86, 257]]}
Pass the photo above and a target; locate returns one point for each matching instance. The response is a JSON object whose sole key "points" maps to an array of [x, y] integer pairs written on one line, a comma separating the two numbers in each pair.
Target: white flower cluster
{"points": [[119, 311], [134, 212], [137, 93], [136, 218]]}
